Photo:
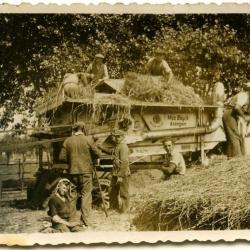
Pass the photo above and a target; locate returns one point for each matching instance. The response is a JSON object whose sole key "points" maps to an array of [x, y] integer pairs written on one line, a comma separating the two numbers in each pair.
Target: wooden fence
{"points": [[14, 178]]}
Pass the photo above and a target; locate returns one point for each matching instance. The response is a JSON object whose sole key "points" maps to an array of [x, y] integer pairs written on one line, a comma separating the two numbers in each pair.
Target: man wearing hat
{"points": [[98, 70], [235, 138], [157, 66], [174, 161], [77, 151], [119, 193]]}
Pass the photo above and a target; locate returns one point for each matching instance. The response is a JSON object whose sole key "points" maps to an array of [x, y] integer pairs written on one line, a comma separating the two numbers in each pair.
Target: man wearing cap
{"points": [[98, 70], [119, 194], [174, 161], [157, 66], [235, 138], [77, 151]]}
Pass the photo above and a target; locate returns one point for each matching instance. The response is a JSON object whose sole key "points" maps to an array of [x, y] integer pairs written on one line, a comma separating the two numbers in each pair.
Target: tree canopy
{"points": [[37, 50]]}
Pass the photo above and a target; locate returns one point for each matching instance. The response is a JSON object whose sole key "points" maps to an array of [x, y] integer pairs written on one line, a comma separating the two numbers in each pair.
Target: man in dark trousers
{"points": [[77, 151], [119, 193]]}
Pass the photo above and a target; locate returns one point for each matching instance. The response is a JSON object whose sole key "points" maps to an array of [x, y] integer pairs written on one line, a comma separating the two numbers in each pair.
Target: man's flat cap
{"points": [[99, 56]]}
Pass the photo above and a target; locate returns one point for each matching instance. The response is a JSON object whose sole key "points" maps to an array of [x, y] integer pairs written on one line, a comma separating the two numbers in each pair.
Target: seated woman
{"points": [[62, 208]]}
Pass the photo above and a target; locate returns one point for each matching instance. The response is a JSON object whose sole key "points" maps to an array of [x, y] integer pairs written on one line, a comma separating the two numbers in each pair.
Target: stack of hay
{"points": [[157, 89], [217, 197]]}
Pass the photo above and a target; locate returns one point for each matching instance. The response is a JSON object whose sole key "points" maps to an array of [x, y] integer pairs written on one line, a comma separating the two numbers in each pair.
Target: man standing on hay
{"points": [[231, 121], [97, 70], [157, 66], [77, 151], [119, 193], [174, 163]]}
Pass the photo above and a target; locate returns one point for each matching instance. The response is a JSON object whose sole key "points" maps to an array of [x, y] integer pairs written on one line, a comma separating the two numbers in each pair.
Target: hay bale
{"points": [[141, 179], [217, 197], [157, 89]]}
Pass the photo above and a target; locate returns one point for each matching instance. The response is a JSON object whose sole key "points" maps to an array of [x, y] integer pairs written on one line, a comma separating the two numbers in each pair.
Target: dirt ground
{"points": [[15, 218]]}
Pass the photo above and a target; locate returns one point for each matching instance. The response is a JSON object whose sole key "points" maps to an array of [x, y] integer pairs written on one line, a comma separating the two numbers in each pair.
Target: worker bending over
{"points": [[77, 151], [157, 66], [119, 193], [235, 139], [174, 161], [62, 208]]}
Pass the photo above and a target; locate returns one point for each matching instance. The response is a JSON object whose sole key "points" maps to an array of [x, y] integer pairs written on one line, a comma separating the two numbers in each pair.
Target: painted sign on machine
{"points": [[170, 121]]}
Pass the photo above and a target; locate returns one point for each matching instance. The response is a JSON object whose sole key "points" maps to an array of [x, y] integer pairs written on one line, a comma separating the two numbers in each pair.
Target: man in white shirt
{"points": [[235, 140], [97, 70], [174, 163]]}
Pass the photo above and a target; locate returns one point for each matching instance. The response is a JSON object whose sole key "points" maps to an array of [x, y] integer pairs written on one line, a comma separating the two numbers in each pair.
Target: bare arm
{"points": [[167, 71], [97, 152], [106, 74], [89, 71], [240, 111], [170, 76]]}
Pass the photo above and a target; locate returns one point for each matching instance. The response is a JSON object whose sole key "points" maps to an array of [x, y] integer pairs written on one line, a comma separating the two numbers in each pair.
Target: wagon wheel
{"points": [[105, 186]]}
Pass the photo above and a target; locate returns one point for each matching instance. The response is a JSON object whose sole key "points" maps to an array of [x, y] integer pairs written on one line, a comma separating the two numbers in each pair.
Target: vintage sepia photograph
{"points": [[124, 122]]}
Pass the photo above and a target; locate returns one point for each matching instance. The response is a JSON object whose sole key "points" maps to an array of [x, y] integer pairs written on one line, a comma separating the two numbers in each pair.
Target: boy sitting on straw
{"points": [[174, 163]]}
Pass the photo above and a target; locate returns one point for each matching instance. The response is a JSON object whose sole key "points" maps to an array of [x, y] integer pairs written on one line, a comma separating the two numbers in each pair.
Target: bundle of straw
{"points": [[217, 197], [158, 89]]}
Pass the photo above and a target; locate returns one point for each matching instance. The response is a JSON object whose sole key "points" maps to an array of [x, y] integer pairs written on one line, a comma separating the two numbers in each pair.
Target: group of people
{"points": [[97, 71], [78, 152], [79, 149], [156, 66]]}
